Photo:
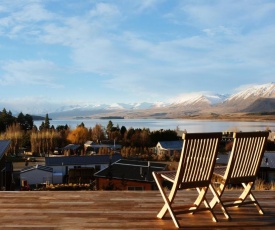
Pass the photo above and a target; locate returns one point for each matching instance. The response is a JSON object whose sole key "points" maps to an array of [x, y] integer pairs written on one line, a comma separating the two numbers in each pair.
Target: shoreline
{"points": [[231, 117]]}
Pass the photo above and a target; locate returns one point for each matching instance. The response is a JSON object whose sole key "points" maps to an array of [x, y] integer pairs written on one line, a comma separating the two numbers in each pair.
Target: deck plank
{"points": [[119, 210]]}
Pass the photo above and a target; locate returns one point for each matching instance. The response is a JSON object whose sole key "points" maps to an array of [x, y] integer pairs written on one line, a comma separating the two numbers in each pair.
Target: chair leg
{"points": [[168, 200], [247, 192], [256, 203], [217, 199], [201, 198], [214, 218]]}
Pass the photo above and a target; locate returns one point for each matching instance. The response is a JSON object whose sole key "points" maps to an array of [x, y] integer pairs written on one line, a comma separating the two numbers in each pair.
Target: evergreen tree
{"points": [[6, 120], [25, 121], [47, 122]]}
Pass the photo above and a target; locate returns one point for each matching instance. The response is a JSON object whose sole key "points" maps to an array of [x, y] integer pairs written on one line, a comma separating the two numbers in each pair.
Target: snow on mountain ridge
{"points": [[265, 90], [241, 99], [188, 99]]}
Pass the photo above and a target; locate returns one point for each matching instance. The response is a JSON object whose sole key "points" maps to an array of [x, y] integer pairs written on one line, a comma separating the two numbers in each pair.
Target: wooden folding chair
{"points": [[242, 168], [195, 170]]}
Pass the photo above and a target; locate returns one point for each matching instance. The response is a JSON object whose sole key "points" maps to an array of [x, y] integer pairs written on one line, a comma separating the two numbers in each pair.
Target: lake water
{"points": [[172, 124]]}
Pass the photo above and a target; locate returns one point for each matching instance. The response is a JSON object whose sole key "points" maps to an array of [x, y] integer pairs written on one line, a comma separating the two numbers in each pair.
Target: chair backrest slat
{"points": [[246, 155], [197, 158]]}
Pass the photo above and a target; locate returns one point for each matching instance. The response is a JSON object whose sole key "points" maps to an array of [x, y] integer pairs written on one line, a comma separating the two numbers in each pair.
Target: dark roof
{"points": [[131, 170], [98, 146], [71, 147], [222, 159], [171, 144], [141, 163], [4, 145], [38, 167], [268, 160], [81, 160]]}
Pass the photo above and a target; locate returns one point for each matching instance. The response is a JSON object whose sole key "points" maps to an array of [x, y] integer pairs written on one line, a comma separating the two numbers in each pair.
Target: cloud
{"points": [[148, 4], [19, 19], [227, 13], [31, 105], [29, 72], [188, 44], [104, 10]]}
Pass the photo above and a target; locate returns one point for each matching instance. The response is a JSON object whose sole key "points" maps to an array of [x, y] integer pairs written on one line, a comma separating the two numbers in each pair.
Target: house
{"points": [[222, 159], [91, 147], [128, 175], [267, 168], [6, 168], [61, 165], [168, 147], [71, 149], [34, 175]]}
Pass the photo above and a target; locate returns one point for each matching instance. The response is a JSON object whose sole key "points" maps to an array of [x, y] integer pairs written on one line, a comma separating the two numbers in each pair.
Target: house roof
{"points": [[222, 159], [87, 143], [141, 163], [268, 160], [4, 145], [131, 170], [36, 167], [98, 146], [71, 147], [171, 144], [81, 160]]}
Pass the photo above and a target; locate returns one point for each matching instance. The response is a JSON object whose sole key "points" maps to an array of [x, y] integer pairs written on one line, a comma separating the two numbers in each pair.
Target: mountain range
{"points": [[255, 99]]}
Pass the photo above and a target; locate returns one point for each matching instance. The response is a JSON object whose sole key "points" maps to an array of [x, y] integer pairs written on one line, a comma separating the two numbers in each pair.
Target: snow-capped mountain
{"points": [[191, 99], [249, 99], [240, 101], [254, 92]]}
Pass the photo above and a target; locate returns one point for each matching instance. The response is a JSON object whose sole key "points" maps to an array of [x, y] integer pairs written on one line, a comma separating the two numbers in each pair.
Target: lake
{"points": [[172, 124]]}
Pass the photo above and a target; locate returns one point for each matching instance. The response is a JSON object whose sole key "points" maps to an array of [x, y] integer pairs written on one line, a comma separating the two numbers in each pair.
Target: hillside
{"points": [[261, 105]]}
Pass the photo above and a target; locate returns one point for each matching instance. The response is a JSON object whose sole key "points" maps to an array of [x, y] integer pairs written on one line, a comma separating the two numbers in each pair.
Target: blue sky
{"points": [[55, 52]]}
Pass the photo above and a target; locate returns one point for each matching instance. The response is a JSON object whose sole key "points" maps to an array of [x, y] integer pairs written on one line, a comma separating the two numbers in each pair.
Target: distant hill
{"points": [[38, 118], [261, 105]]}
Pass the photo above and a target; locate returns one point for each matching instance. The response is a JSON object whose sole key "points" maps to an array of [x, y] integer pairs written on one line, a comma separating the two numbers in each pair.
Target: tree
{"points": [[47, 122], [123, 130], [42, 126], [78, 135], [6, 119], [98, 133], [163, 135], [15, 135], [25, 121], [44, 141], [109, 128]]}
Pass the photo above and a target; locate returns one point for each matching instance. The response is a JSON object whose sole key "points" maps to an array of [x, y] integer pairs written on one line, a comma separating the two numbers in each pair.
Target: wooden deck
{"points": [[119, 210]]}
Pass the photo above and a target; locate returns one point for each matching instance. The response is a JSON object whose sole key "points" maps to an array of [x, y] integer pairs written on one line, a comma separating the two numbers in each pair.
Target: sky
{"points": [[64, 52]]}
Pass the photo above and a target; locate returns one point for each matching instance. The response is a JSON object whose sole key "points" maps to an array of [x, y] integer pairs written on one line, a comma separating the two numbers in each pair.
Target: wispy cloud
{"points": [[27, 72], [140, 48]]}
